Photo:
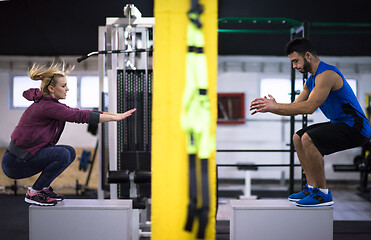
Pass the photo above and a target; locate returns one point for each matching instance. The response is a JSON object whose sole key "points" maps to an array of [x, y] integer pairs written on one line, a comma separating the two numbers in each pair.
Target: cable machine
{"points": [[125, 61], [125, 48]]}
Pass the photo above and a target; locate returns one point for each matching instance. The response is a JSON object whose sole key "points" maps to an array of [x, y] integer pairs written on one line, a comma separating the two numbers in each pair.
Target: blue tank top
{"points": [[342, 105]]}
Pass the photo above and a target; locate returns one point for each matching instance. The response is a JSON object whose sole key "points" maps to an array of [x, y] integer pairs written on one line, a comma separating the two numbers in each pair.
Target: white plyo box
{"points": [[279, 219], [81, 219]]}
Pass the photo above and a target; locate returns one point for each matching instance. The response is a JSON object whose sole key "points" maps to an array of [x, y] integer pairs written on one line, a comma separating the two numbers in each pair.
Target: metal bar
{"points": [[292, 130], [120, 97], [143, 21], [217, 190], [256, 165], [280, 31], [92, 164], [305, 116], [146, 123], [101, 134], [106, 52], [290, 21], [260, 20], [103, 150], [253, 150], [338, 32], [297, 30], [124, 93], [339, 24], [268, 31], [111, 61], [109, 46]]}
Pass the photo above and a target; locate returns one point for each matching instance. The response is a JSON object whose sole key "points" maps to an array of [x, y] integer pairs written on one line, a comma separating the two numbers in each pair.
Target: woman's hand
{"points": [[122, 116], [109, 117]]}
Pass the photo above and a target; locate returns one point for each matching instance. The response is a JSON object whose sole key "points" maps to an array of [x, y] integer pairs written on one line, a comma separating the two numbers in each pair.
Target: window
{"points": [[20, 84], [23, 83], [83, 91], [280, 89], [353, 85], [89, 91], [231, 108]]}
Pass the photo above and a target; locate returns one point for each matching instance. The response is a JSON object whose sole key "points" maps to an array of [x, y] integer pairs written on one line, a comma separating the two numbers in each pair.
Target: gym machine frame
{"points": [[124, 51], [125, 60]]}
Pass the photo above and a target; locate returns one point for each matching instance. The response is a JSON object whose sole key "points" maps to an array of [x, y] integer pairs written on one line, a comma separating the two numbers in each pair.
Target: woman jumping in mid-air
{"points": [[33, 148]]}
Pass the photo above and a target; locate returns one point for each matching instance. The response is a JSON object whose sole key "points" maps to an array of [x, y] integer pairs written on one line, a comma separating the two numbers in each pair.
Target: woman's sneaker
{"points": [[50, 193], [300, 195], [317, 198], [39, 198]]}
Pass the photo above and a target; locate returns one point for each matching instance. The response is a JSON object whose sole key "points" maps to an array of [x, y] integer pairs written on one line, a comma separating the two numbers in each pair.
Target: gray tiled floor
{"points": [[350, 207]]}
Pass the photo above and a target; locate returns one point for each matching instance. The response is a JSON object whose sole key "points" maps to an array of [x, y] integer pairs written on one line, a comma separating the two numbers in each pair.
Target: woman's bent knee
{"points": [[64, 157], [4, 165], [71, 151]]}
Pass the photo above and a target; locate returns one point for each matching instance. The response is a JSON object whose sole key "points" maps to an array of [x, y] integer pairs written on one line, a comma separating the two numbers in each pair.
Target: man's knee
{"points": [[296, 139], [306, 140]]}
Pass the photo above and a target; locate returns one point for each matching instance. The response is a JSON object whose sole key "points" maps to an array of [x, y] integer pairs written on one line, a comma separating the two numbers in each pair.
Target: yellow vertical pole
{"points": [[169, 157]]}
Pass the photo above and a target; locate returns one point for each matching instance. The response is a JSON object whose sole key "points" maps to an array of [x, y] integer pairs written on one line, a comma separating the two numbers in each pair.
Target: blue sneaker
{"points": [[300, 195], [316, 199]]}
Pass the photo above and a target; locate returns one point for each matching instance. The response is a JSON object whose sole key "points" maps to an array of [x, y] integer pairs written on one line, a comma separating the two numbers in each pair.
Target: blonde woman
{"points": [[33, 148]]}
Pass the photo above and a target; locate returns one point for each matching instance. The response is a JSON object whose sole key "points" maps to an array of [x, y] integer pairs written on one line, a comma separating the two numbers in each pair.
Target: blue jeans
{"points": [[51, 161]]}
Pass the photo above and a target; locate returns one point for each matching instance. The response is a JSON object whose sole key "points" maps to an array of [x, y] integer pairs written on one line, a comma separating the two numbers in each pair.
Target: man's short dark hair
{"points": [[301, 46]]}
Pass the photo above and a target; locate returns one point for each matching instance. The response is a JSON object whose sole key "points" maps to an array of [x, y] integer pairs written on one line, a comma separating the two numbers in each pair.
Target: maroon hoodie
{"points": [[42, 123]]}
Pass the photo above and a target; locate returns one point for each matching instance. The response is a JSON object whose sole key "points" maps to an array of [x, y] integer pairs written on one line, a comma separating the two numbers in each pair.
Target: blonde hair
{"points": [[49, 76]]}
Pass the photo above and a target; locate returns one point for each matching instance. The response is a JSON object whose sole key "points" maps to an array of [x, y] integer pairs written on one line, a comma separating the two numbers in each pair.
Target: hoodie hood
{"points": [[33, 94]]}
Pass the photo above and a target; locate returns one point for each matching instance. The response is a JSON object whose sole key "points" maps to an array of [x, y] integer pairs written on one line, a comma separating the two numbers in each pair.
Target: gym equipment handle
{"points": [[82, 58], [125, 176]]}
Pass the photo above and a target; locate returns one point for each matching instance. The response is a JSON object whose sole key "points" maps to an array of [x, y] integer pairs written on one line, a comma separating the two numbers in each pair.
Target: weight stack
{"points": [[134, 90]]}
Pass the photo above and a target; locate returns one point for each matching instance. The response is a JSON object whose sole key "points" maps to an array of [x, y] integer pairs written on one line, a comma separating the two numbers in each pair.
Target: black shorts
{"points": [[333, 137]]}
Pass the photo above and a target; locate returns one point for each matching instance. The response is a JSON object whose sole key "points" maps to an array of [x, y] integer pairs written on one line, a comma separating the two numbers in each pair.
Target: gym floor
{"points": [[352, 215]]}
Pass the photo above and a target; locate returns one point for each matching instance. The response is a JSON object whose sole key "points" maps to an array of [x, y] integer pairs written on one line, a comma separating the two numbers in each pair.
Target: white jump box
{"points": [[80, 219], [279, 219]]}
